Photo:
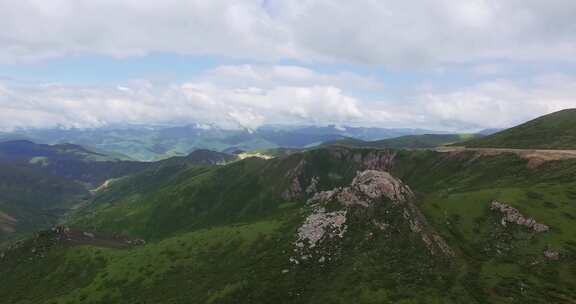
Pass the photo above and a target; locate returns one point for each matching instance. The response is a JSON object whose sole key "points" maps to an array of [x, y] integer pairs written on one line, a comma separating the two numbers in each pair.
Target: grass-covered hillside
{"points": [[552, 131], [406, 142], [27, 151], [243, 233], [68, 161], [39, 184], [31, 199]]}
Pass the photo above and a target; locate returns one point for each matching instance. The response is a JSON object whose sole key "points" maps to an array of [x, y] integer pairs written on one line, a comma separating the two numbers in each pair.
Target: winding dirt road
{"points": [[534, 156]]}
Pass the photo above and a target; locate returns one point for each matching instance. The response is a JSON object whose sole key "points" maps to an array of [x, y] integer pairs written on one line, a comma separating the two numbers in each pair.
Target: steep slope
{"points": [[333, 225], [552, 131], [406, 142]]}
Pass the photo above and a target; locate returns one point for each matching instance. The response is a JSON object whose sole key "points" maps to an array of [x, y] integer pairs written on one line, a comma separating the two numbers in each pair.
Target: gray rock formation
{"points": [[368, 189], [319, 225], [294, 190], [551, 254], [513, 216], [367, 186], [301, 186], [313, 186], [381, 160]]}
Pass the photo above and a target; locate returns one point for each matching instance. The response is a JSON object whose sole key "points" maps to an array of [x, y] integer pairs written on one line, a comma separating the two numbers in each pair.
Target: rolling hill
{"points": [[67, 161], [329, 225], [31, 199], [40, 183], [406, 142], [552, 131]]}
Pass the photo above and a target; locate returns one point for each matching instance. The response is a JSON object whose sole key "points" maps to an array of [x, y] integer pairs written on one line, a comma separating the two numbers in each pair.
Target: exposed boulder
{"points": [[313, 186], [513, 216], [551, 254]]}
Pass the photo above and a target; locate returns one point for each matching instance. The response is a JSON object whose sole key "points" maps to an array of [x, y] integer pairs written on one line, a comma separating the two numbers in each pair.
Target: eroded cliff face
{"points": [[330, 211], [380, 160], [302, 186]]}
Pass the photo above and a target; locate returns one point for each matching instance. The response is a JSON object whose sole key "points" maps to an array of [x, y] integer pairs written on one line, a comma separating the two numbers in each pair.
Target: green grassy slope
{"points": [[506, 261], [31, 199], [553, 131], [37, 195], [225, 235], [406, 142]]}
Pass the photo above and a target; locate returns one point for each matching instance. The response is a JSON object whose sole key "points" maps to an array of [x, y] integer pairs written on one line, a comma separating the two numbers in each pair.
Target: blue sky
{"points": [[437, 64]]}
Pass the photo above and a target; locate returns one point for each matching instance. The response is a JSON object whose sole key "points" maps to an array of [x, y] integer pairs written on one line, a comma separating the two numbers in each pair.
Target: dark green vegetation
{"points": [[27, 151], [553, 131], [154, 143], [68, 161], [31, 199], [225, 234], [406, 142], [40, 183]]}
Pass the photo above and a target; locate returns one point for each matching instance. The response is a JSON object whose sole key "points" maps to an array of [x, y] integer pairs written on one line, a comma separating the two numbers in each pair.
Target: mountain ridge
{"points": [[553, 131], [152, 144], [237, 229]]}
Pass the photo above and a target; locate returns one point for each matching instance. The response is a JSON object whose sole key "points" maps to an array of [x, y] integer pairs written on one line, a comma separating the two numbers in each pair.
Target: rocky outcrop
{"points": [[381, 160], [294, 190], [319, 225], [366, 187], [552, 255], [511, 215], [313, 187], [301, 186], [369, 189]]}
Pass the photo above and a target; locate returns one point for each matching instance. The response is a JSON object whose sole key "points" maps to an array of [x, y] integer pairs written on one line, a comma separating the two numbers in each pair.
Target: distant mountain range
{"points": [[406, 142], [155, 143]]}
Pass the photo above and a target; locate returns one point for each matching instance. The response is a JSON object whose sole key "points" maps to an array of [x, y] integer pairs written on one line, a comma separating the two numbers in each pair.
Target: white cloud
{"points": [[500, 104], [205, 102], [286, 95], [274, 75], [386, 32]]}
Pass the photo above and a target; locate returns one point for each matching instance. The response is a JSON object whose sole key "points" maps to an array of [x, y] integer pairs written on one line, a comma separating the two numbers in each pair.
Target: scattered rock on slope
{"points": [[513, 215]]}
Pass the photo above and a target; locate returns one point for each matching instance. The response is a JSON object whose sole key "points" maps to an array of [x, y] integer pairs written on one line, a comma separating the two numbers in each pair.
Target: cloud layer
{"points": [[398, 39], [248, 96], [235, 102], [384, 32]]}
